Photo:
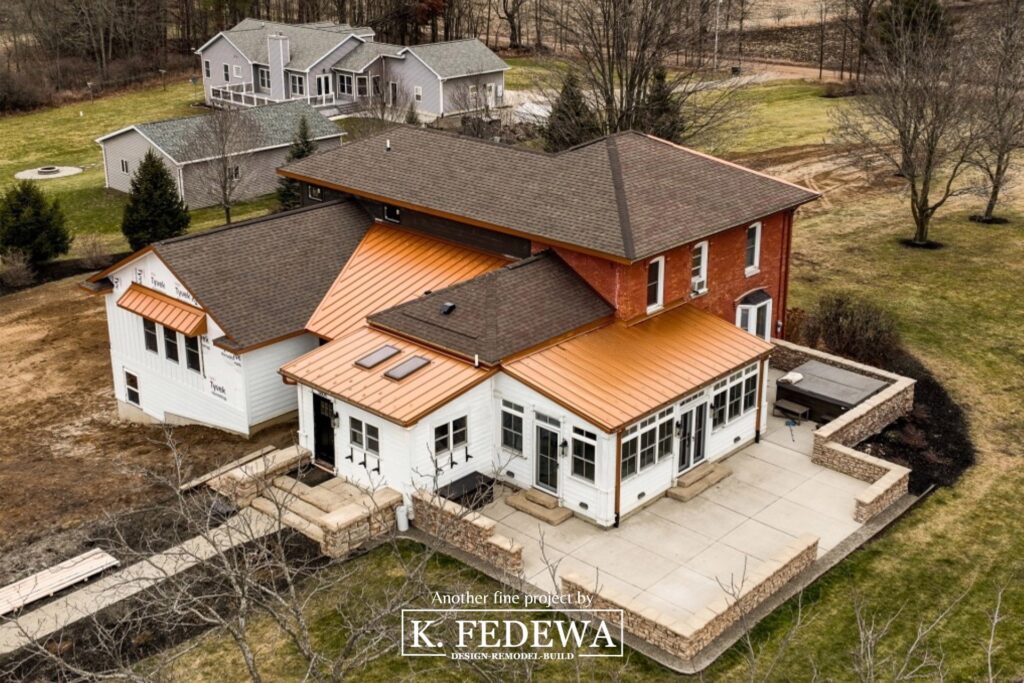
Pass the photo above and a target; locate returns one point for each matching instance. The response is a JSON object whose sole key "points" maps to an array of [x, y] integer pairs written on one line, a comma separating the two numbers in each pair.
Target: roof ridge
{"points": [[619, 185], [199, 115], [252, 221]]}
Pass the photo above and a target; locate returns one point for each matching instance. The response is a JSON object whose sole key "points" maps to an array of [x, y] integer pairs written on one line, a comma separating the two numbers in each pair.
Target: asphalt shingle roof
{"points": [[454, 58], [271, 125], [262, 279], [500, 313], [364, 54], [307, 43], [628, 195]]}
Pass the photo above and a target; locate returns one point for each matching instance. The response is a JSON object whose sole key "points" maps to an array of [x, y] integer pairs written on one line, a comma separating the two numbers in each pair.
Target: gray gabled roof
{"points": [[262, 279], [272, 125], [455, 58], [501, 313], [307, 43], [364, 55]]}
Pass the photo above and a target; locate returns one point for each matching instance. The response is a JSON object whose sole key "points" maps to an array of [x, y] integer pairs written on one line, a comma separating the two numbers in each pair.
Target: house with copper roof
{"points": [[342, 69]]}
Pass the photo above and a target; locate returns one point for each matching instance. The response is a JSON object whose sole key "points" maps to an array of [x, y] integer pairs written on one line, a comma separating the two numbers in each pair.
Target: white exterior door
{"points": [[323, 85]]}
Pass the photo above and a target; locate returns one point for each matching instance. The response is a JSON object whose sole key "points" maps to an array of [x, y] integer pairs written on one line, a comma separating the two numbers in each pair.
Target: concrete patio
{"points": [[678, 557]]}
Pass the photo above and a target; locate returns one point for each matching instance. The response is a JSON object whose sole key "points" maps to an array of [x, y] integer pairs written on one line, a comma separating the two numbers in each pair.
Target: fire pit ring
{"points": [[47, 172]]}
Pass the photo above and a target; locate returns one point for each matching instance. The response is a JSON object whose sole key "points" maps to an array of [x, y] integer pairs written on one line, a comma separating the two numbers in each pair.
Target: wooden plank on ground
{"points": [[54, 579], [224, 468]]}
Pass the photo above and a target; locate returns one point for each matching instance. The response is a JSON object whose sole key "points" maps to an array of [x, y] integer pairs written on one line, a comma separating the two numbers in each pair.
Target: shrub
{"points": [[851, 327], [834, 89], [16, 270], [19, 92], [154, 210], [94, 251], [31, 224]]}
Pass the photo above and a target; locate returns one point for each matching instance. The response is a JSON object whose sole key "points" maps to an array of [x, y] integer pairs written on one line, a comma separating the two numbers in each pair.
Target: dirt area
{"points": [[65, 459]]}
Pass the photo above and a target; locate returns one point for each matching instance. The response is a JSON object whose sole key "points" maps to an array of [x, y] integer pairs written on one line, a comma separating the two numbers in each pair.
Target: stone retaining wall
{"points": [[888, 480], [686, 636], [353, 525], [466, 530]]}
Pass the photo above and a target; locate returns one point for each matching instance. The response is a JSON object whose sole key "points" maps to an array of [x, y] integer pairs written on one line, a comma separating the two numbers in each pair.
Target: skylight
{"points": [[406, 368], [375, 358]]}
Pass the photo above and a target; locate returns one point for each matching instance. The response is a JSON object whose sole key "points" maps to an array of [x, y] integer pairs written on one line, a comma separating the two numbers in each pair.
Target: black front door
{"points": [[323, 430], [547, 459]]}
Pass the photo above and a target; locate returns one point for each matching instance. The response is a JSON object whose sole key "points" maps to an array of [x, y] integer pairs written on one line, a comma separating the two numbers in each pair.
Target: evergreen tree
{"points": [[661, 116], [411, 117], [31, 224], [154, 210], [572, 121], [289, 194]]}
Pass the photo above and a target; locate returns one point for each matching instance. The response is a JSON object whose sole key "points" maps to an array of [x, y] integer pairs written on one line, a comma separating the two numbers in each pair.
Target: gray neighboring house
{"points": [[272, 127], [341, 69]]}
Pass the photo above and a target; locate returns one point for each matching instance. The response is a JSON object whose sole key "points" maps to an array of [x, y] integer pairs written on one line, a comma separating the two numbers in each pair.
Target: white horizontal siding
{"points": [[267, 396]]}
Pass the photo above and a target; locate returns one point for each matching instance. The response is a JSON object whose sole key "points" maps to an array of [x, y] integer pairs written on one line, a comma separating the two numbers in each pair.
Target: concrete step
{"points": [[541, 498], [318, 496], [294, 504], [552, 516], [304, 526], [688, 488]]}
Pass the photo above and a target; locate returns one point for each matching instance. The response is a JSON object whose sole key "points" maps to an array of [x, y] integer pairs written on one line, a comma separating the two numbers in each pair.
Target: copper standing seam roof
{"points": [[331, 369], [163, 309], [391, 266], [617, 374]]}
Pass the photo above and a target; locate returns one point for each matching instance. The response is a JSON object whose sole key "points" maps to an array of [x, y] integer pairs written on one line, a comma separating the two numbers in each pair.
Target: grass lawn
{"points": [[781, 114]]}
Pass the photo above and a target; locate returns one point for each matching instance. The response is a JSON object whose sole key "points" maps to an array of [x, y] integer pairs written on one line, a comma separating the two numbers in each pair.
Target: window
{"points": [[392, 214], [192, 358], [227, 72], [512, 426], [646, 442], [364, 435], [472, 92], [345, 84], [753, 254], [584, 453], [417, 93], [699, 269], [264, 78], [361, 86], [297, 85], [376, 85], [315, 193], [206, 68], [754, 314], [655, 284], [236, 173], [450, 435], [170, 344], [124, 166], [734, 396], [237, 70], [149, 332], [131, 386]]}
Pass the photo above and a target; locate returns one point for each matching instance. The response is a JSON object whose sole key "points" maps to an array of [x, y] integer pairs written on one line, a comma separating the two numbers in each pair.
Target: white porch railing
{"points": [[243, 95]]}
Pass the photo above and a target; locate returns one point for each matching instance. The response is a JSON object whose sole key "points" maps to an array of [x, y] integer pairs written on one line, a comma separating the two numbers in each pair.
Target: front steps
{"points": [[539, 505], [698, 480]]}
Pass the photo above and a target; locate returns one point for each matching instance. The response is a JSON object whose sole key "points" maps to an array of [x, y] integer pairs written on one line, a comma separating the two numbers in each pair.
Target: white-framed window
{"points": [[655, 284], [450, 435], [315, 193], [472, 91], [345, 84], [149, 333], [699, 269], [754, 314], [170, 345], [131, 388], [361, 86], [124, 167], [227, 72], [263, 75], [646, 442], [392, 214], [364, 435], [206, 68], [193, 357], [512, 426], [237, 70], [752, 256], [734, 396], [236, 172], [297, 84], [584, 454], [417, 93]]}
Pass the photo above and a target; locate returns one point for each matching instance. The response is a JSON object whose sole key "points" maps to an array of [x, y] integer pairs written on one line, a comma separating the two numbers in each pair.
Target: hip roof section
{"points": [[389, 267], [628, 196], [617, 374]]}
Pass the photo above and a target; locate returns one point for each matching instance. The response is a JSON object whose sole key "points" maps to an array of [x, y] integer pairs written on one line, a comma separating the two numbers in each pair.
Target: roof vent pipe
{"points": [[387, 145], [476, 360], [447, 308]]}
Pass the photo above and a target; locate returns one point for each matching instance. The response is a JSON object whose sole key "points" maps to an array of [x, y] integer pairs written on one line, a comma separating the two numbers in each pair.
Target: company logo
{"points": [[459, 633]]}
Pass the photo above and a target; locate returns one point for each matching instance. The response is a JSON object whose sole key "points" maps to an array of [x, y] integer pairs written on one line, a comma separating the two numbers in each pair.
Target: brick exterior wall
{"points": [[466, 530], [685, 637], [625, 285]]}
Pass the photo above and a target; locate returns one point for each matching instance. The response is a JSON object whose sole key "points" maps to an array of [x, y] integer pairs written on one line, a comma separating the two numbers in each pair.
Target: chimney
{"points": [[278, 55]]}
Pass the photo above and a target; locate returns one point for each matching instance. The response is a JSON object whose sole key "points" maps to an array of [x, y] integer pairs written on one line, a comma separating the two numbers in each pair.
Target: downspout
{"points": [[760, 399], [181, 182], [618, 475], [784, 285]]}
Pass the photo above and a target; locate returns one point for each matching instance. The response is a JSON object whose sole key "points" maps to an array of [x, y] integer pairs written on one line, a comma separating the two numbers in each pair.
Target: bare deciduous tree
{"points": [[511, 12], [916, 115], [226, 137]]}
